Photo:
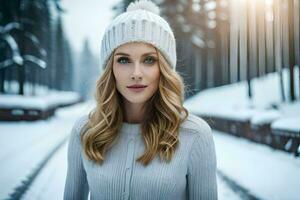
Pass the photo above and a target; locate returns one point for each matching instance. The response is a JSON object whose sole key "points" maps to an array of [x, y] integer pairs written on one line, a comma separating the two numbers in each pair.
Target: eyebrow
{"points": [[125, 54]]}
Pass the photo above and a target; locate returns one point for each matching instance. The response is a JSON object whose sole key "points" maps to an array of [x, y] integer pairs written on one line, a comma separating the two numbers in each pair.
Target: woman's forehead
{"points": [[135, 48]]}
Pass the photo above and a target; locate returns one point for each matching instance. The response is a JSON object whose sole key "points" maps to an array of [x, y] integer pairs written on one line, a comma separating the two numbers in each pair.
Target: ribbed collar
{"points": [[131, 128]]}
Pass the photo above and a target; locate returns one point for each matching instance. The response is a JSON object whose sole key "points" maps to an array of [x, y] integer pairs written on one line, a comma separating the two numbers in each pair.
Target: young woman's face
{"points": [[136, 70]]}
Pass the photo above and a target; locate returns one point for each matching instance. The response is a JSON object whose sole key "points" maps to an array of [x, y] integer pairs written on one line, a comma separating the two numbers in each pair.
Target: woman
{"points": [[140, 142]]}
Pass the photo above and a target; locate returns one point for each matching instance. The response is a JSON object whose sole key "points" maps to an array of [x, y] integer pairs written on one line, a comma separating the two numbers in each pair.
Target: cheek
{"points": [[155, 76], [119, 75]]}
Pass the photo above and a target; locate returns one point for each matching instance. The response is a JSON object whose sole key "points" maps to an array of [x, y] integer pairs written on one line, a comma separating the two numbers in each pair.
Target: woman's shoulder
{"points": [[79, 123], [199, 132], [194, 124]]}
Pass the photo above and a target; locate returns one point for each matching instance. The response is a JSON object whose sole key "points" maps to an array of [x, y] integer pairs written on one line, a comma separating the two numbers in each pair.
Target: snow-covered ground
{"points": [[264, 172], [50, 183], [25, 144]]}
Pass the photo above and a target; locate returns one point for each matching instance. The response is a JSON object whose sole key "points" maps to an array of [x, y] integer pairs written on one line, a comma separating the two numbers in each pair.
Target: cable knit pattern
{"points": [[191, 174]]}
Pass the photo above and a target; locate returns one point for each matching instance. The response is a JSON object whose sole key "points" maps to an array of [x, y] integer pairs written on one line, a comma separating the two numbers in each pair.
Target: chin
{"points": [[137, 100]]}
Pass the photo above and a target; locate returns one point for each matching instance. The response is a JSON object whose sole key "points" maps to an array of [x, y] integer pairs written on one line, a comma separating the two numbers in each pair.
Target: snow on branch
{"points": [[35, 60], [10, 26], [16, 57], [36, 42], [6, 63]]}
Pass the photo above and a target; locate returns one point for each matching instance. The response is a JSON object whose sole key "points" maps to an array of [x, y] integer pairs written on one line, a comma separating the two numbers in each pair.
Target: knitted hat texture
{"points": [[140, 23]]}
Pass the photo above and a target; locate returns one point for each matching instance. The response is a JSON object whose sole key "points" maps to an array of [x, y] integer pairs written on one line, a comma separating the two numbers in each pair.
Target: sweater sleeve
{"points": [[201, 175], [76, 185]]}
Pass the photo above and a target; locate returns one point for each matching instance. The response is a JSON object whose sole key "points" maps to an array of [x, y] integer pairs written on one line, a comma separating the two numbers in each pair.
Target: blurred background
{"points": [[239, 60]]}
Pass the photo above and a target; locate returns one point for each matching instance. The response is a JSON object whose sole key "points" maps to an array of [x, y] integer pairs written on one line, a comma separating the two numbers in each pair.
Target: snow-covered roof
{"points": [[291, 124], [265, 117], [40, 102]]}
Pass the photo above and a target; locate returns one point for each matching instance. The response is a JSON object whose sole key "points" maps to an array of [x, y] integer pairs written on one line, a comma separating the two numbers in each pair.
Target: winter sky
{"points": [[87, 19]]}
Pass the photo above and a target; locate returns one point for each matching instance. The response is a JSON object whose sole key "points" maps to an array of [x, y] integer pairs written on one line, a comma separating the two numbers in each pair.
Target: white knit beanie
{"points": [[140, 23]]}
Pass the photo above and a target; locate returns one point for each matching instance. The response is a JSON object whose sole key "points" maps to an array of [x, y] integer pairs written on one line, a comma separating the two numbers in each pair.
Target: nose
{"points": [[137, 72]]}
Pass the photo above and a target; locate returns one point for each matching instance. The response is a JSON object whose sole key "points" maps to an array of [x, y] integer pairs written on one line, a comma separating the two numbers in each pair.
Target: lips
{"points": [[137, 86]]}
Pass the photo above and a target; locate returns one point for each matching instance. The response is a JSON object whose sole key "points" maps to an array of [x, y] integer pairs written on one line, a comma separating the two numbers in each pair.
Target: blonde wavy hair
{"points": [[160, 128]]}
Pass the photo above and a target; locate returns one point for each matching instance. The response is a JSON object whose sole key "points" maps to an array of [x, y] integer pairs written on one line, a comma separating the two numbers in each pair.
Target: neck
{"points": [[134, 113]]}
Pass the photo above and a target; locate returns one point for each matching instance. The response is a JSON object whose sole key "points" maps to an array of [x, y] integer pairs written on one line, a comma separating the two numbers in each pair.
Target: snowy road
{"points": [[24, 146], [258, 169], [245, 170]]}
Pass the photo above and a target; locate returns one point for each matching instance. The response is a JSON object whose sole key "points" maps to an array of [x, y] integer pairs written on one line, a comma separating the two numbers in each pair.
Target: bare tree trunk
{"points": [[278, 46], [2, 80], [297, 38], [248, 53], [291, 48], [281, 85], [21, 79], [21, 68]]}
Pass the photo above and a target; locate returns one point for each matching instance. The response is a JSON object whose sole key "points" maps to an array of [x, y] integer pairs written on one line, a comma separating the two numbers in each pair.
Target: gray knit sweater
{"points": [[191, 174]]}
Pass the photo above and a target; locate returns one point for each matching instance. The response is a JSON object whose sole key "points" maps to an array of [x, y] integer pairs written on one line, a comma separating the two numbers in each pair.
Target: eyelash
{"points": [[149, 57]]}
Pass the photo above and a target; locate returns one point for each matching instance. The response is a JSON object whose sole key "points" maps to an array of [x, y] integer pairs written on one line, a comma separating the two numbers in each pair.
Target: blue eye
{"points": [[123, 60], [150, 60]]}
